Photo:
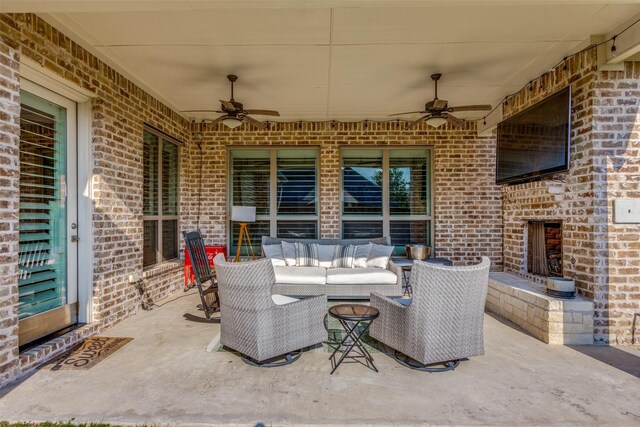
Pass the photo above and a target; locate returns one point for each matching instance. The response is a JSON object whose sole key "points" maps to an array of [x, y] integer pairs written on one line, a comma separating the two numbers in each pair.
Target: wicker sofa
{"points": [[336, 283]]}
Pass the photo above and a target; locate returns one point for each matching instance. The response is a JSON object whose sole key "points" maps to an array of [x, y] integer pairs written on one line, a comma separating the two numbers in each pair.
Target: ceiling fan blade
{"points": [[199, 111], [408, 112], [263, 112], [228, 105], [454, 120], [412, 124], [255, 123], [218, 120], [471, 108]]}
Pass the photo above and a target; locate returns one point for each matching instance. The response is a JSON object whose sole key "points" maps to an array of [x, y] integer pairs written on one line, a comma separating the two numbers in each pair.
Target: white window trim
{"points": [[272, 217], [160, 217], [386, 217]]}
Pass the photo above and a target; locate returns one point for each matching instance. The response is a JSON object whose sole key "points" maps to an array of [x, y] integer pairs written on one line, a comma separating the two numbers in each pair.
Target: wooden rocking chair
{"points": [[203, 274]]}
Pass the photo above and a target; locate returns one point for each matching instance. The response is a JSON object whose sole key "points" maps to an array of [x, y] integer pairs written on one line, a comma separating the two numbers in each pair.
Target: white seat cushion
{"points": [[282, 299], [360, 276], [300, 275]]}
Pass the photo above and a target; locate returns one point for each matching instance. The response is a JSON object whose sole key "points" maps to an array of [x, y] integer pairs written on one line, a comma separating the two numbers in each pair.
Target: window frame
{"points": [[160, 217], [386, 218], [273, 216]]}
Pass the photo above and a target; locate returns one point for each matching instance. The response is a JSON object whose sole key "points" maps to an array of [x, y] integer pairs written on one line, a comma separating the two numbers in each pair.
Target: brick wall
{"points": [[616, 145], [602, 257], [9, 198], [569, 197], [118, 112], [467, 217]]}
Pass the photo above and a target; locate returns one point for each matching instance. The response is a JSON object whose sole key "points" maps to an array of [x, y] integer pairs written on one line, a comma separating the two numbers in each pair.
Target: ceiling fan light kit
{"points": [[436, 121], [231, 122], [234, 113], [437, 112]]}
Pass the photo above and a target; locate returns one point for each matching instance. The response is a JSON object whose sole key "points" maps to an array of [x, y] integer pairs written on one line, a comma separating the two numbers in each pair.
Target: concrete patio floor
{"points": [[165, 376]]}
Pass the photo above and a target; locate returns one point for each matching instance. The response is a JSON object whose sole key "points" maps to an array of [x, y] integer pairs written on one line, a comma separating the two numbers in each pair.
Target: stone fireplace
{"points": [[544, 248]]}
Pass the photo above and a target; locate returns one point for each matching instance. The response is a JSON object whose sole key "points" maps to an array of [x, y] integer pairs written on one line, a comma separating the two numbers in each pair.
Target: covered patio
{"points": [[119, 132], [165, 376]]}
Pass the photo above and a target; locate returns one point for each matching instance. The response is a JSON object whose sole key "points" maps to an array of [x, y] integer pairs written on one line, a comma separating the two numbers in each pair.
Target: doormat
{"points": [[91, 351]]}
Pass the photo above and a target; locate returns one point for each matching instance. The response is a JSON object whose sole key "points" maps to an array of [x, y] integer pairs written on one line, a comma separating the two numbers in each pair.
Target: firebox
{"points": [[544, 248]]}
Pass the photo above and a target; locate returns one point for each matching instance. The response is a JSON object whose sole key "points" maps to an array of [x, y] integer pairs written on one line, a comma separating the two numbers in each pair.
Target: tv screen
{"points": [[535, 142]]}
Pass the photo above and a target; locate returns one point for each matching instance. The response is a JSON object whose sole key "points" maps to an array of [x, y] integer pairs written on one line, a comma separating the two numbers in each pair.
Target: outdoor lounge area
{"points": [[301, 212]]}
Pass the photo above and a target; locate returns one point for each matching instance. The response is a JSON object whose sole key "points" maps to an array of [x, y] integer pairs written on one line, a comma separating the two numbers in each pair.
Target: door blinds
{"points": [[42, 253]]}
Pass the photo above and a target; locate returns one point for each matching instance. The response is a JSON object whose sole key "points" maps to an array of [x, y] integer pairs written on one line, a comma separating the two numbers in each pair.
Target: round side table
{"points": [[350, 317]]}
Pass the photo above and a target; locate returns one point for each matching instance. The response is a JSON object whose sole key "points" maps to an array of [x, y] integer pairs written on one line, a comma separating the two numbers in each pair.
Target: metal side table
{"points": [[350, 317]]}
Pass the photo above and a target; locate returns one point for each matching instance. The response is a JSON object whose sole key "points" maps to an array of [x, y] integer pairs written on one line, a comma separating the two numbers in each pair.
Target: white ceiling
{"points": [[331, 59]]}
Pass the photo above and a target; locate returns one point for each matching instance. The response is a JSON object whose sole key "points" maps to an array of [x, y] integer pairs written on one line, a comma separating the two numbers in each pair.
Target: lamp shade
{"points": [[243, 213], [436, 121], [231, 122]]}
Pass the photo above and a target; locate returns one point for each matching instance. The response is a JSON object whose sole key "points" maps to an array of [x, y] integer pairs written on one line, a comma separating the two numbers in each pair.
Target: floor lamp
{"points": [[244, 215]]}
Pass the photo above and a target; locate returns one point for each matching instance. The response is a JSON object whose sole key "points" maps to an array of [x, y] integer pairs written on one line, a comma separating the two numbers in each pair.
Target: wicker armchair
{"points": [[254, 325], [443, 322]]}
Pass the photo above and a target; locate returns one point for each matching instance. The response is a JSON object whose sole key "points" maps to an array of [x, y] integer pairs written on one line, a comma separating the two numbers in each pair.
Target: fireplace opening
{"points": [[544, 248]]}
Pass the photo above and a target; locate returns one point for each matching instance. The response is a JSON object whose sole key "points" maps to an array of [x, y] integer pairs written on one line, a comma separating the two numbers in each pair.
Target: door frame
{"points": [[71, 180], [31, 73]]}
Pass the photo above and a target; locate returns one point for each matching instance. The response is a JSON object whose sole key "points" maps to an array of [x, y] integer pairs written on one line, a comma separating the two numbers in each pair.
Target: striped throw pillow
{"points": [[306, 255], [345, 256]]}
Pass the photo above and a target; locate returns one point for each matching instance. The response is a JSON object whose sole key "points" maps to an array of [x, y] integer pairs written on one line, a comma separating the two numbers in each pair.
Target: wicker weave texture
{"points": [[299, 290], [250, 321], [445, 319]]}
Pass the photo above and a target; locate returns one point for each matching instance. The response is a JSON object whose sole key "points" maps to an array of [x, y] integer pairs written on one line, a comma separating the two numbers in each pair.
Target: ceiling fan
{"points": [[437, 112], [234, 113]]}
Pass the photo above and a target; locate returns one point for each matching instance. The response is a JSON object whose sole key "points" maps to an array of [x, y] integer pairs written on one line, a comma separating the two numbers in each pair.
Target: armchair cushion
{"points": [[282, 299]]}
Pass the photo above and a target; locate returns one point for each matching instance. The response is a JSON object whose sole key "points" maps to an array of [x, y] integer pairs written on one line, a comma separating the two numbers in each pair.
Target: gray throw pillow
{"points": [[306, 255], [274, 253], [326, 254], [289, 253], [344, 257], [361, 256], [379, 256]]}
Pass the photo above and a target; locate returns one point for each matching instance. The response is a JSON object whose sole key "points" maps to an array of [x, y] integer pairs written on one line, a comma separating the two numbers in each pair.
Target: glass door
{"points": [[47, 278]]}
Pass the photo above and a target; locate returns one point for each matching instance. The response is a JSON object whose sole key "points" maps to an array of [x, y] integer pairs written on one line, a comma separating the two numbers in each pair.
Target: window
{"points": [[282, 184], [387, 192], [160, 198]]}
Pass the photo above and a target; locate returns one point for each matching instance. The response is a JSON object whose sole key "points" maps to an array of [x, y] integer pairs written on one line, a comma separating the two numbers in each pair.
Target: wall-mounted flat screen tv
{"points": [[536, 141]]}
